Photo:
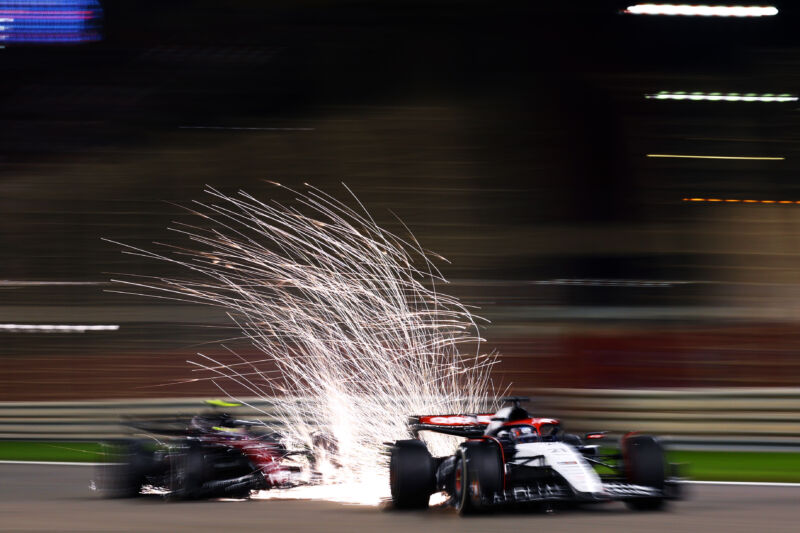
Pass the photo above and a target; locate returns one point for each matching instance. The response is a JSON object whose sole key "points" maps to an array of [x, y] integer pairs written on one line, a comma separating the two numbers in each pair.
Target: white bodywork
{"points": [[562, 458]]}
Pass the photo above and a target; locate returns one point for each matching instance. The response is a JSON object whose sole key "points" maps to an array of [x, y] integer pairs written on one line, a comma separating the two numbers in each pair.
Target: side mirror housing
{"points": [[589, 450]]}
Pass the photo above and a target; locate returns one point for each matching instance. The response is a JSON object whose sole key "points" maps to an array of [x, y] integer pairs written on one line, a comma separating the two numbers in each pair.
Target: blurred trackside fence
{"points": [[767, 418], [732, 418]]}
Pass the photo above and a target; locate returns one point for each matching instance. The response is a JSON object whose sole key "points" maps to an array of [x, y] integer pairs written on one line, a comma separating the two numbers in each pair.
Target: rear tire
{"points": [[644, 465], [478, 476], [412, 474]]}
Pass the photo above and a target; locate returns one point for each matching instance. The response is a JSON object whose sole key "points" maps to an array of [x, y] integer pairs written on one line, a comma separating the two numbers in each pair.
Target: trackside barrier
{"points": [[747, 418], [103, 419]]}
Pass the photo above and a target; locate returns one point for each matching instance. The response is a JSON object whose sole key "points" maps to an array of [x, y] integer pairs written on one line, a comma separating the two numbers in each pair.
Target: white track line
{"points": [[745, 483], [26, 283], [53, 463], [56, 328]]}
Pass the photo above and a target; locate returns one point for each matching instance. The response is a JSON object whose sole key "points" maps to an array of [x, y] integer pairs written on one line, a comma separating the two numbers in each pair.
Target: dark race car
{"points": [[210, 455], [511, 457]]}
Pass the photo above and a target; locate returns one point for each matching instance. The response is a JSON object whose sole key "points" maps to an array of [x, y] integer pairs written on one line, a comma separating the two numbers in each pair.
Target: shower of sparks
{"points": [[351, 331]]}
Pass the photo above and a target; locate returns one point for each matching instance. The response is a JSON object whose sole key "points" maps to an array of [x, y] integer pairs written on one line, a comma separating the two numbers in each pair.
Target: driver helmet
{"points": [[523, 434]]}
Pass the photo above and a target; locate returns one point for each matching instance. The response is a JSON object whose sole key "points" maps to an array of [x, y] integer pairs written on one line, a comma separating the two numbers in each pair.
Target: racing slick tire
{"points": [[187, 474], [412, 474], [478, 476], [644, 465], [124, 476]]}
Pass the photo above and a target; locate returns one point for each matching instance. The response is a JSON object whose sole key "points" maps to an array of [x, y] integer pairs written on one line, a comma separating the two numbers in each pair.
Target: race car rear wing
{"points": [[467, 426]]}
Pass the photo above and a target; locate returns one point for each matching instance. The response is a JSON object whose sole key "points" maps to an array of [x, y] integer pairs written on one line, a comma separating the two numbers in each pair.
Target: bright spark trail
{"points": [[349, 315]]}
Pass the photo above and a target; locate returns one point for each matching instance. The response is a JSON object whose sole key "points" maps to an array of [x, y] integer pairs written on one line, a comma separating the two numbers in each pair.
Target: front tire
{"points": [[412, 475], [478, 476], [187, 474], [644, 465]]}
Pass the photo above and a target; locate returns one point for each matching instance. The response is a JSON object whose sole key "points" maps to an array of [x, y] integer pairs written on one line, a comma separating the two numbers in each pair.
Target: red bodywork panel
{"points": [[264, 454], [535, 422], [456, 420], [480, 420]]}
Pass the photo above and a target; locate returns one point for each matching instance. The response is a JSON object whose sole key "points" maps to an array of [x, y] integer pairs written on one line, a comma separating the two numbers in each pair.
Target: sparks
{"points": [[349, 315]]}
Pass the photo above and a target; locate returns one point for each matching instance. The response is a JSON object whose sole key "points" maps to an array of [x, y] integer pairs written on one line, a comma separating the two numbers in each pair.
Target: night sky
{"points": [[511, 138]]}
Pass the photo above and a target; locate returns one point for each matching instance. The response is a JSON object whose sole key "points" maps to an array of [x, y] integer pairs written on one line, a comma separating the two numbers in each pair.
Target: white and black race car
{"points": [[511, 457]]}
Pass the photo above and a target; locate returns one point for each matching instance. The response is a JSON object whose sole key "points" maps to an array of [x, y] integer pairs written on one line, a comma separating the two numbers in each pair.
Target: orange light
{"points": [[737, 157], [737, 200]]}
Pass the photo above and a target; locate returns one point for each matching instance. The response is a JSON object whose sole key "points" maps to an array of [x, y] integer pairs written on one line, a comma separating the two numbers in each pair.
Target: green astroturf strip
{"points": [[739, 466], [702, 465], [81, 452]]}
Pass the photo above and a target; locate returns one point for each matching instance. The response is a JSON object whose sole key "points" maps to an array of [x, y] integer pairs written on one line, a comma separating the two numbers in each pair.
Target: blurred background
{"points": [[515, 139]]}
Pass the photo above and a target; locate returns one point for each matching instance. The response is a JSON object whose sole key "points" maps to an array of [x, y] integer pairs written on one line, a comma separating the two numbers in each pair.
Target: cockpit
{"points": [[515, 424], [519, 434], [507, 414]]}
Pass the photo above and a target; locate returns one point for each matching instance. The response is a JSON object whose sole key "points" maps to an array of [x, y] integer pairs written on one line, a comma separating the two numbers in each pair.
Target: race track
{"points": [[57, 498]]}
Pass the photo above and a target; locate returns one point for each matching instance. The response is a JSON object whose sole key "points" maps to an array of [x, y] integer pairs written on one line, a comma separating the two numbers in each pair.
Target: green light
{"points": [[222, 403]]}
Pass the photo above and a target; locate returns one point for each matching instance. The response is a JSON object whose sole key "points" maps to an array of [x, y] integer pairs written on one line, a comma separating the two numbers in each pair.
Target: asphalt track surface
{"points": [[57, 498]]}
